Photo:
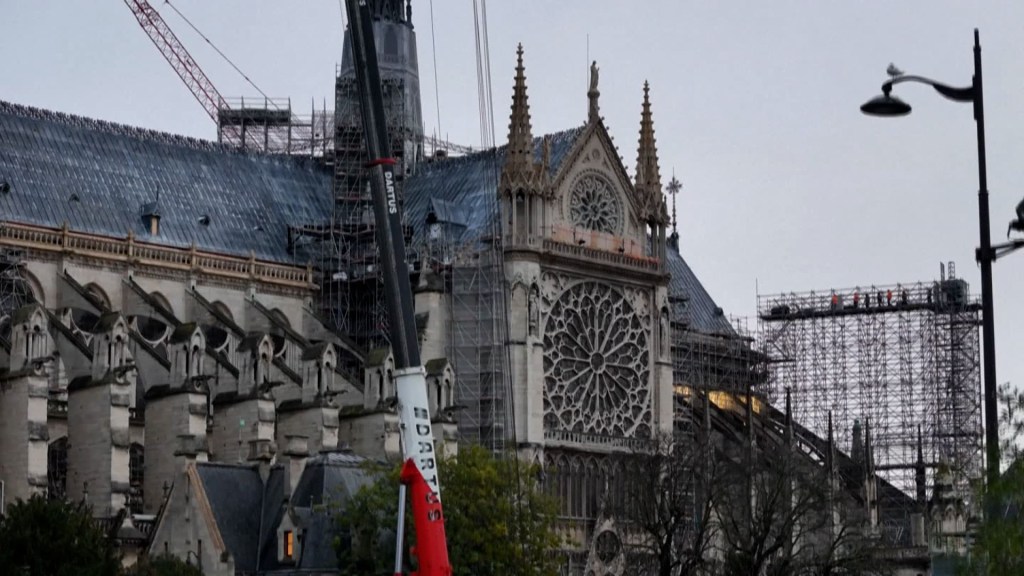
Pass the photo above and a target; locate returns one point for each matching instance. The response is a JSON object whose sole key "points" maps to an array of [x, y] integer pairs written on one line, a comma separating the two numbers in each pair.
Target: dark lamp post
{"points": [[888, 105]]}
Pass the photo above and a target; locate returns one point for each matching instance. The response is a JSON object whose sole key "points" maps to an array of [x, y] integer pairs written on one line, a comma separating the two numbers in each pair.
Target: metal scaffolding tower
{"points": [[479, 337], [14, 293], [352, 296], [903, 358]]}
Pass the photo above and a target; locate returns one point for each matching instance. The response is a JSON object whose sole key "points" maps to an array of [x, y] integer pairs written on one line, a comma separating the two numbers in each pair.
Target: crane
{"points": [[419, 471], [178, 57], [302, 136]]}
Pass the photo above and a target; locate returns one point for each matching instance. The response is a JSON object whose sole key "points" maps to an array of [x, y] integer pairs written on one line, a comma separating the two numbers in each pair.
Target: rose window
{"points": [[596, 364], [594, 205], [607, 546]]}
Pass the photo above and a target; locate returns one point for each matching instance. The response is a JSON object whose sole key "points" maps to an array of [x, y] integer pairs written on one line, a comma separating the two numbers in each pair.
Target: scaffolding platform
{"points": [[903, 358]]}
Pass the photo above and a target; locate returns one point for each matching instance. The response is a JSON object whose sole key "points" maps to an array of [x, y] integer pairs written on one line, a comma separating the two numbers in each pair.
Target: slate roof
{"points": [[699, 310], [235, 493], [115, 171], [248, 511], [330, 478], [462, 192]]}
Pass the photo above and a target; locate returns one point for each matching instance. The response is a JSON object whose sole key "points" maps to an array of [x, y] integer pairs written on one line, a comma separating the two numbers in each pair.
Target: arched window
{"points": [[522, 220], [194, 365], [136, 471], [57, 468]]}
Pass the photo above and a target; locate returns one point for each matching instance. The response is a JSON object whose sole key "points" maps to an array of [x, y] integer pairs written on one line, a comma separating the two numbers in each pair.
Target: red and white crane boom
{"points": [[178, 57]]}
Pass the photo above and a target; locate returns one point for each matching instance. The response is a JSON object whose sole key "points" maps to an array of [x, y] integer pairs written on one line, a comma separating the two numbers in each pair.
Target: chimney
{"points": [[150, 212], [296, 452], [261, 451]]}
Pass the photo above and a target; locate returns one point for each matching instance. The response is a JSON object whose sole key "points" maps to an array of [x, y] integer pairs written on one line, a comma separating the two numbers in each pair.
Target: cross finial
{"points": [[674, 186]]}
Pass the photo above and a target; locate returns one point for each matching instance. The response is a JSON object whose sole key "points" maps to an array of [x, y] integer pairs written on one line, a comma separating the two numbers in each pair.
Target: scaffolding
{"points": [[469, 270], [269, 125], [14, 293], [349, 270], [478, 336], [904, 359], [711, 362]]}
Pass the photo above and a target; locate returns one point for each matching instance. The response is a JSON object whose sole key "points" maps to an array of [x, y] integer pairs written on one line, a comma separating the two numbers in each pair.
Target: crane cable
{"points": [[222, 55]]}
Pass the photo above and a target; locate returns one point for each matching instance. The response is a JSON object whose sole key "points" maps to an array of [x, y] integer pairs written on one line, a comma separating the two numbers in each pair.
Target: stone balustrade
{"points": [[131, 251]]}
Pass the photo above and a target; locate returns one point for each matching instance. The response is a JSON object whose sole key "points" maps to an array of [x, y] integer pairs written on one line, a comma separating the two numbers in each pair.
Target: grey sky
{"points": [[786, 185]]}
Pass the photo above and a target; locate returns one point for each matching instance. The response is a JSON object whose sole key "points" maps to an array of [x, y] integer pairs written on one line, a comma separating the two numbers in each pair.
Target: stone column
{"points": [[98, 442], [317, 424], [23, 398], [239, 422], [23, 434], [172, 413]]}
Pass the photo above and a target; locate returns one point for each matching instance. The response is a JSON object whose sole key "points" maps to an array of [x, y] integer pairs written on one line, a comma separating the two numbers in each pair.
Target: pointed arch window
{"points": [[57, 468], [136, 473]]}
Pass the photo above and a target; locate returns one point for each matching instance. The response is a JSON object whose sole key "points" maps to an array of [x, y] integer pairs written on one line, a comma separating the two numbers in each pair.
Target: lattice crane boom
{"points": [[177, 56]]}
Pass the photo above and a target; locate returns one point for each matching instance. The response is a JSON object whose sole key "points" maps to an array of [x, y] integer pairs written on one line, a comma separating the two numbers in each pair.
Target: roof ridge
{"points": [[495, 151], [110, 127]]}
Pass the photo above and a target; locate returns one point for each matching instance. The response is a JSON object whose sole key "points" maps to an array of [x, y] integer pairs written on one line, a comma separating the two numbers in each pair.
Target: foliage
{"points": [[497, 519], [56, 538], [998, 547], [365, 543], [163, 565], [1011, 423]]}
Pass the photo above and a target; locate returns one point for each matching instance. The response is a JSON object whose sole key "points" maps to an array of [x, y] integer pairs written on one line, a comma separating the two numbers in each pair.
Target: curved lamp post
{"points": [[889, 105]]}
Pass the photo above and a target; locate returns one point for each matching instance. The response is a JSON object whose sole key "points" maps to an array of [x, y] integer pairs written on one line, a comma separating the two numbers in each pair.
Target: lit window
{"points": [[289, 544]]}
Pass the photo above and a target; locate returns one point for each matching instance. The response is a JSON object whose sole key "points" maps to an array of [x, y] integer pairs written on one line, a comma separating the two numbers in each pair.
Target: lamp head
{"points": [[885, 105]]}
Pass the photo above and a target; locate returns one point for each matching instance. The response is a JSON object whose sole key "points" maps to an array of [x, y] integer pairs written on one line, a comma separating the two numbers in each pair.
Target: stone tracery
{"points": [[594, 205], [596, 364]]}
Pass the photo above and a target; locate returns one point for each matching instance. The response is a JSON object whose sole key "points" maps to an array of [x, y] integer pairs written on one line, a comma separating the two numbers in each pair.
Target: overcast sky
{"points": [[787, 186]]}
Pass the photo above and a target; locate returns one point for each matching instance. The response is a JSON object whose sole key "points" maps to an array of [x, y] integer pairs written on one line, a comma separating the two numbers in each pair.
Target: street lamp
{"points": [[888, 105]]}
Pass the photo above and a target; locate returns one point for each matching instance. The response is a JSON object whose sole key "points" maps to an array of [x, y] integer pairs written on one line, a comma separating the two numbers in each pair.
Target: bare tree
{"points": [[668, 504], [784, 512]]}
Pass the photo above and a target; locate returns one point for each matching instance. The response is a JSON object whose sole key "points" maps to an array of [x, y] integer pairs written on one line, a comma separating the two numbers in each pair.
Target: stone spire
{"points": [[648, 175], [520, 171]]}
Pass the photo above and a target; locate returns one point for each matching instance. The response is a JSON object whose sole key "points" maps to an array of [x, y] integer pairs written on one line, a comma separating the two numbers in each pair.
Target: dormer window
{"points": [[288, 542], [151, 217]]}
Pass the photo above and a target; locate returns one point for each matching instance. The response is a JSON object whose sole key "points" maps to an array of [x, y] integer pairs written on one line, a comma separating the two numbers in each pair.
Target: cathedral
{"points": [[190, 334]]}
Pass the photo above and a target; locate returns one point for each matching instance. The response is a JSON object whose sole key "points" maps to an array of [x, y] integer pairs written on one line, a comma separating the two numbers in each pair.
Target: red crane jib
{"points": [[177, 56], [431, 550]]}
